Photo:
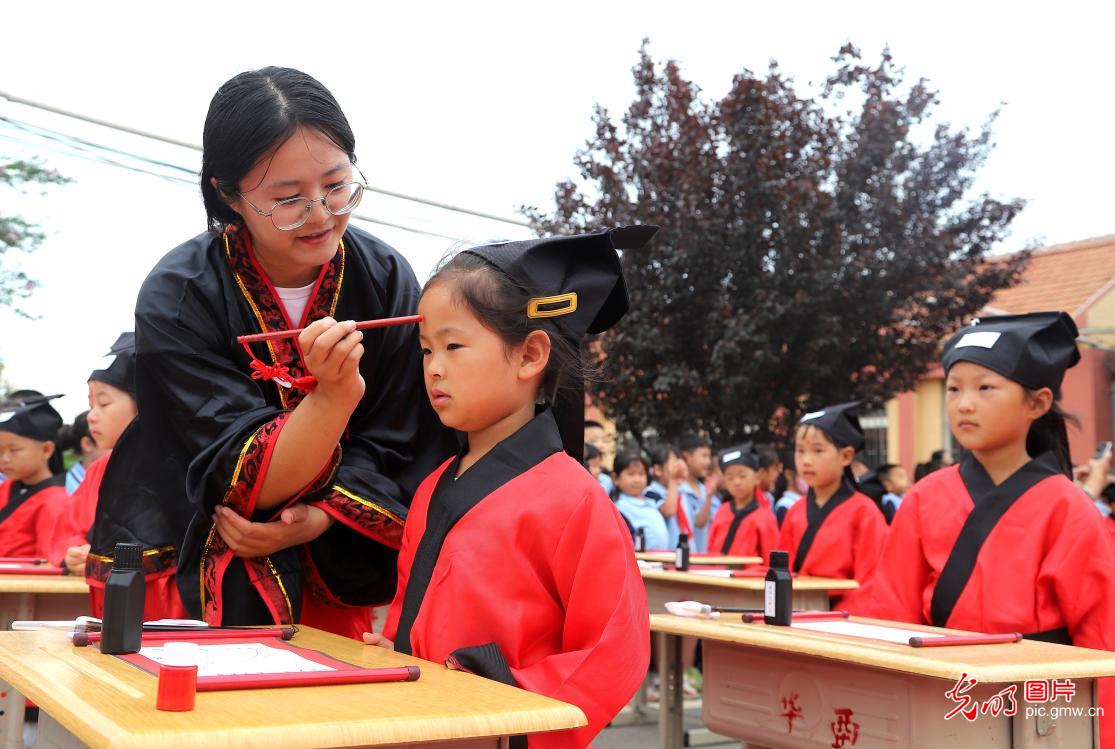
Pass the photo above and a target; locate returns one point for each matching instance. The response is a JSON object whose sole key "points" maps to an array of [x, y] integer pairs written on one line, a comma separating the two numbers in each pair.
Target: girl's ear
{"points": [[1038, 403], [229, 200], [847, 455], [48, 450], [534, 355]]}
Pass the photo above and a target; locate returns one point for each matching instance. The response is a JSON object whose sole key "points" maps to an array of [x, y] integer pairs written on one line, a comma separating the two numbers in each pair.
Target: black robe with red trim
{"points": [[521, 570], [1029, 555], [207, 428]]}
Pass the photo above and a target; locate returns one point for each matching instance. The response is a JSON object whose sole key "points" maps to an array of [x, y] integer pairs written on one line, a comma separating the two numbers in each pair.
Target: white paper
{"points": [[234, 659], [867, 631], [712, 573], [10, 566]]}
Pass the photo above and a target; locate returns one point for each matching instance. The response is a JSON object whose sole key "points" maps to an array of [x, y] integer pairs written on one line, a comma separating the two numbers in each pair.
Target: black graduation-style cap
{"points": [[120, 372], [840, 422], [30, 416], [577, 279], [743, 454], [1033, 350]]}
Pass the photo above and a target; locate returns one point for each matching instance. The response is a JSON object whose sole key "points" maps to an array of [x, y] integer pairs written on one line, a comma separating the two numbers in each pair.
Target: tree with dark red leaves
{"points": [[813, 250]]}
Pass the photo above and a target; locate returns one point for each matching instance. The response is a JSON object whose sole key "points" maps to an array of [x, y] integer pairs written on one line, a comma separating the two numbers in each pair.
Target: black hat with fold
{"points": [[120, 370], [840, 423], [29, 414], [576, 280], [577, 283], [1033, 350], [739, 455]]}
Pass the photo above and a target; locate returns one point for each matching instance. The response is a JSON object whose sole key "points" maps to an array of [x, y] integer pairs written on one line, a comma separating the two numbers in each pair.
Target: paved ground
{"points": [[644, 735]]}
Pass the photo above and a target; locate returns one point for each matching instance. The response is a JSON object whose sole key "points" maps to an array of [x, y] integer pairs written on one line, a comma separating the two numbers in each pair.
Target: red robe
{"points": [[74, 514], [520, 570], [846, 544], [25, 514], [754, 535], [1046, 564]]}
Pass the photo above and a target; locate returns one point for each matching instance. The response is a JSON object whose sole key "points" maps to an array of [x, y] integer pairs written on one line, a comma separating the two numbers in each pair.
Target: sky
{"points": [[483, 105]]}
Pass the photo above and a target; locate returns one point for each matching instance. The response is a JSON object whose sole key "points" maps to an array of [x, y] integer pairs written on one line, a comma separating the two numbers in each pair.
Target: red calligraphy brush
{"points": [[385, 322]]}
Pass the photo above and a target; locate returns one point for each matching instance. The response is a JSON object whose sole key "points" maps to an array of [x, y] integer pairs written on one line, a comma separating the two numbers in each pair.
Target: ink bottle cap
{"points": [[780, 560], [127, 556]]}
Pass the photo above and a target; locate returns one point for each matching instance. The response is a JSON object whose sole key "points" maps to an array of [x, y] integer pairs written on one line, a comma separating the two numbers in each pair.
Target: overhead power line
{"points": [[172, 141]]}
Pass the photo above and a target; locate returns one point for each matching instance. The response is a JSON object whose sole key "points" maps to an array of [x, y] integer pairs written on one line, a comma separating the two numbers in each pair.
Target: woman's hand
{"points": [[332, 352], [75, 559], [297, 525], [374, 638]]}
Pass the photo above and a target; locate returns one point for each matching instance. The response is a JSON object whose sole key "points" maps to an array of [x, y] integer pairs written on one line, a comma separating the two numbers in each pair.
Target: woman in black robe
{"points": [[273, 479]]}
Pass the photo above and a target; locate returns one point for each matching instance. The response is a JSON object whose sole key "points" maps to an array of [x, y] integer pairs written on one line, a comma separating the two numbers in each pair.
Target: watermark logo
{"points": [[1040, 695]]}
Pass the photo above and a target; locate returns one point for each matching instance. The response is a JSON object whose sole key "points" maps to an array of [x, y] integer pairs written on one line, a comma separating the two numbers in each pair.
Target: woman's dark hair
{"points": [[500, 304], [70, 435], [253, 114], [1050, 433]]}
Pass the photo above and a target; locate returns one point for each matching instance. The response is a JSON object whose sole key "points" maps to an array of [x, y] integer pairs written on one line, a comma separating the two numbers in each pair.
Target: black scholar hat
{"points": [[120, 370], [839, 422], [1033, 350], [739, 455], [577, 280], [30, 416]]}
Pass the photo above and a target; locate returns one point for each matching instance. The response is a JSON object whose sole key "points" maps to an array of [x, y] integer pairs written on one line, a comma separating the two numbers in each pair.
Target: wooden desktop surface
{"points": [[61, 584], [667, 557], [745, 583], [1000, 663], [106, 702]]}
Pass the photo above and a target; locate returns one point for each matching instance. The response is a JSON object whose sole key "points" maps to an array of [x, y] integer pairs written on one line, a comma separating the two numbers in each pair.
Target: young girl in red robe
{"points": [[1004, 541], [836, 531], [30, 462], [743, 526], [515, 564]]}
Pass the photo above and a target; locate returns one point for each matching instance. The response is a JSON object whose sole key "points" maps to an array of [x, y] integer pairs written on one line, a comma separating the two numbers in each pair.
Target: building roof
{"points": [[1069, 277]]}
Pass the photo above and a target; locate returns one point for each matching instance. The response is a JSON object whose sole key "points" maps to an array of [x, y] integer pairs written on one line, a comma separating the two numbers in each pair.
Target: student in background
{"points": [[112, 407], [28, 458], [742, 526], [76, 438], [592, 461], [669, 473], [788, 489], [938, 460], [630, 470], [596, 436], [835, 531], [695, 503], [512, 530], [896, 483], [770, 468], [1004, 541]]}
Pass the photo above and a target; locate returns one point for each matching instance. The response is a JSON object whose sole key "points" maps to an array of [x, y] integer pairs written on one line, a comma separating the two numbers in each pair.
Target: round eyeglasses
{"points": [[291, 213]]}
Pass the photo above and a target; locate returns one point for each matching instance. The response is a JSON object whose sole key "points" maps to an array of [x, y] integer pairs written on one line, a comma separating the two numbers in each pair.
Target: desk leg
{"points": [[671, 697], [13, 607]]}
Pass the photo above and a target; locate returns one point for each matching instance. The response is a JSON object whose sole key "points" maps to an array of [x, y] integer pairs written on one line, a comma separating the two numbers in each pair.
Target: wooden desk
{"points": [[667, 557], [24, 597], [94, 700], [810, 593], [895, 694]]}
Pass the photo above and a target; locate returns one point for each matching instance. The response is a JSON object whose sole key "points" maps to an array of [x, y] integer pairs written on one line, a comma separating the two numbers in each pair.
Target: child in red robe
{"points": [[744, 526], [515, 564], [1004, 541], [835, 531], [28, 459]]}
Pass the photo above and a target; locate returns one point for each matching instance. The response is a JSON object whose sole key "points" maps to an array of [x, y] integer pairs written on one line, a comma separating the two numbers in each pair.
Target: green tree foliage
{"points": [[812, 250], [16, 233]]}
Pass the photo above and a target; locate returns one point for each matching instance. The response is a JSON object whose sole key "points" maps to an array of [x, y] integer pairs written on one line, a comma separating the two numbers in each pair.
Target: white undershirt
{"points": [[295, 301]]}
